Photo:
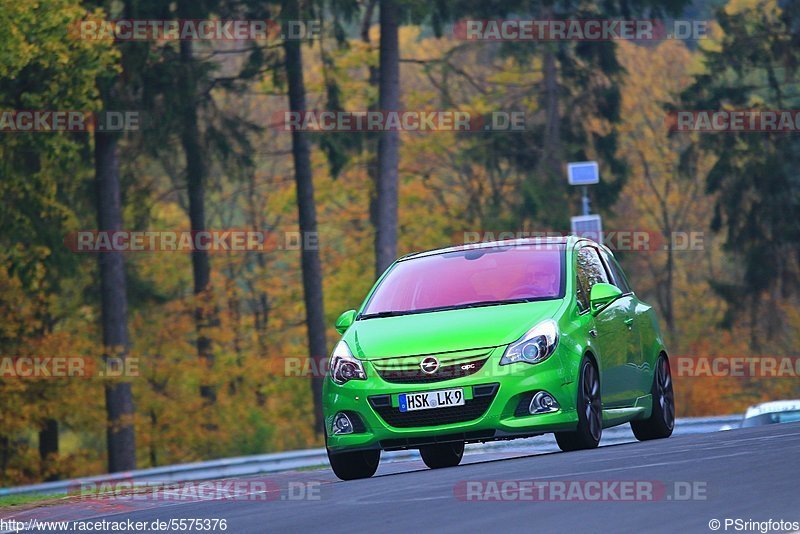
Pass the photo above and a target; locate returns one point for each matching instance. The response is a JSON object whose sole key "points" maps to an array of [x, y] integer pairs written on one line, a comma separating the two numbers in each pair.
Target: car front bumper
{"points": [[498, 417]]}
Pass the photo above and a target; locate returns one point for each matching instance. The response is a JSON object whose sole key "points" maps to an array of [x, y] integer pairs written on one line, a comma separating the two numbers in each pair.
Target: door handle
{"points": [[593, 332], [629, 322]]}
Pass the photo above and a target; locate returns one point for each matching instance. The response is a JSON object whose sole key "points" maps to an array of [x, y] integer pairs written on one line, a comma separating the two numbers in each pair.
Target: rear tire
{"points": [[353, 465], [662, 418], [442, 454], [590, 412]]}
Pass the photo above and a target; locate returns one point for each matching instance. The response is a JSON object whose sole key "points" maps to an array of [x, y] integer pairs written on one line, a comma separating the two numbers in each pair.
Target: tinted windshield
{"points": [[485, 276], [772, 418]]}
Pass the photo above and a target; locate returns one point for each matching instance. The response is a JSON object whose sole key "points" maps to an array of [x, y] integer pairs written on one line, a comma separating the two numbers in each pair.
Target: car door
{"points": [[613, 326], [635, 372], [646, 326]]}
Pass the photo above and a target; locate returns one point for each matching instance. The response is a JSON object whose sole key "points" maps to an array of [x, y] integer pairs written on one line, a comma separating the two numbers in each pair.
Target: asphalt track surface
{"points": [[751, 474]]}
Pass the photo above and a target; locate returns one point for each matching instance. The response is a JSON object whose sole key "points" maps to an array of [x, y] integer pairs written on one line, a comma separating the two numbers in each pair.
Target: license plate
{"points": [[429, 400]]}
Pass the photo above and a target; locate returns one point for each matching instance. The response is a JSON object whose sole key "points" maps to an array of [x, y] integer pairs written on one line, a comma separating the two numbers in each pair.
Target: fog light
{"points": [[543, 402], [342, 424]]}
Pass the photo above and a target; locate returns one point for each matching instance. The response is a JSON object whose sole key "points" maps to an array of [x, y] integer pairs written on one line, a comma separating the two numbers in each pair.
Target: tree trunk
{"points": [[548, 179], [307, 212], [154, 429], [48, 444], [196, 171], [371, 141], [388, 142], [114, 306], [669, 312], [260, 297], [755, 343], [4, 454], [552, 137]]}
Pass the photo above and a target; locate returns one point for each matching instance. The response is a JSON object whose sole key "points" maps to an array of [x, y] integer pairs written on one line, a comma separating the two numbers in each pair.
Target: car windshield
{"points": [[470, 278], [772, 418]]}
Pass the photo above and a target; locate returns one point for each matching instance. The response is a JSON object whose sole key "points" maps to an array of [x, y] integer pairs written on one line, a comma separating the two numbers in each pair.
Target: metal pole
{"points": [[585, 200]]}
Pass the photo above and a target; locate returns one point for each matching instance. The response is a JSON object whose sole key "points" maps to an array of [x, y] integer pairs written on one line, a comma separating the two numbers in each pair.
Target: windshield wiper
{"points": [[481, 304], [378, 315]]}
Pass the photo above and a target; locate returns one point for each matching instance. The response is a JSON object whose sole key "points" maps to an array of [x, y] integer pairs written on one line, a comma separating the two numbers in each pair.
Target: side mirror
{"points": [[601, 295], [345, 320]]}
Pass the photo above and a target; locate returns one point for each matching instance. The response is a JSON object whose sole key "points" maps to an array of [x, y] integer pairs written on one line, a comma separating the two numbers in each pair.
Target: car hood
{"points": [[446, 331]]}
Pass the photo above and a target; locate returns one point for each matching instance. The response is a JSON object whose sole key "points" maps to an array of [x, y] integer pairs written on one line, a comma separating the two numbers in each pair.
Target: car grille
{"points": [[483, 396], [411, 373]]}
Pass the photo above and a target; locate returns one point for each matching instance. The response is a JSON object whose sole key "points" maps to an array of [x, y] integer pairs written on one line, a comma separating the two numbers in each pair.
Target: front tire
{"points": [[352, 465], [442, 454], [590, 412], [662, 418]]}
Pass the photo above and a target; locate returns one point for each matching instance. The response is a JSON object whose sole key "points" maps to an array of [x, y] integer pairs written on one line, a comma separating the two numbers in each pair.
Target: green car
{"points": [[494, 341]]}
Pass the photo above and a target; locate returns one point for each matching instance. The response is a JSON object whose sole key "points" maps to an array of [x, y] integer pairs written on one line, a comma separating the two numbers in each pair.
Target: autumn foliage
{"points": [[450, 183]]}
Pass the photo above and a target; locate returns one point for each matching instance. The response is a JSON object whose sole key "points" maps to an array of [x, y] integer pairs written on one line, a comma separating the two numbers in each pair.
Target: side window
{"points": [[583, 300], [590, 271], [617, 274]]}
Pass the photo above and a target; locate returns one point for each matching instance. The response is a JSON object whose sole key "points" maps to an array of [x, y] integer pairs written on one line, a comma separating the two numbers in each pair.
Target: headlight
{"points": [[535, 346], [344, 367]]}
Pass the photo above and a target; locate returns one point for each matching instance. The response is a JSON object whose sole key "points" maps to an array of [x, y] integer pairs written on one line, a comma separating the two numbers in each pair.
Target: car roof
{"points": [[772, 407], [560, 240]]}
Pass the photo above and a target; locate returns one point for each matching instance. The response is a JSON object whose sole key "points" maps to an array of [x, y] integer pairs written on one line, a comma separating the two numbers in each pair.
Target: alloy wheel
{"points": [[591, 394], [666, 397]]}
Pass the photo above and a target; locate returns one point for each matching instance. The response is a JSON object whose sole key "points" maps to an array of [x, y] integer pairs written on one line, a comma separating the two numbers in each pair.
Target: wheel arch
{"points": [[661, 350], [589, 353]]}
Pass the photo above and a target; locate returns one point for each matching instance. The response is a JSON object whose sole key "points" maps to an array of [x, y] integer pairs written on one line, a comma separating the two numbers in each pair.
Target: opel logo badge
{"points": [[429, 365]]}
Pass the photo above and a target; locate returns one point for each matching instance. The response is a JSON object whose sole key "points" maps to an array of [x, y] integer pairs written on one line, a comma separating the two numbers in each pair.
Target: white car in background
{"points": [[769, 413]]}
